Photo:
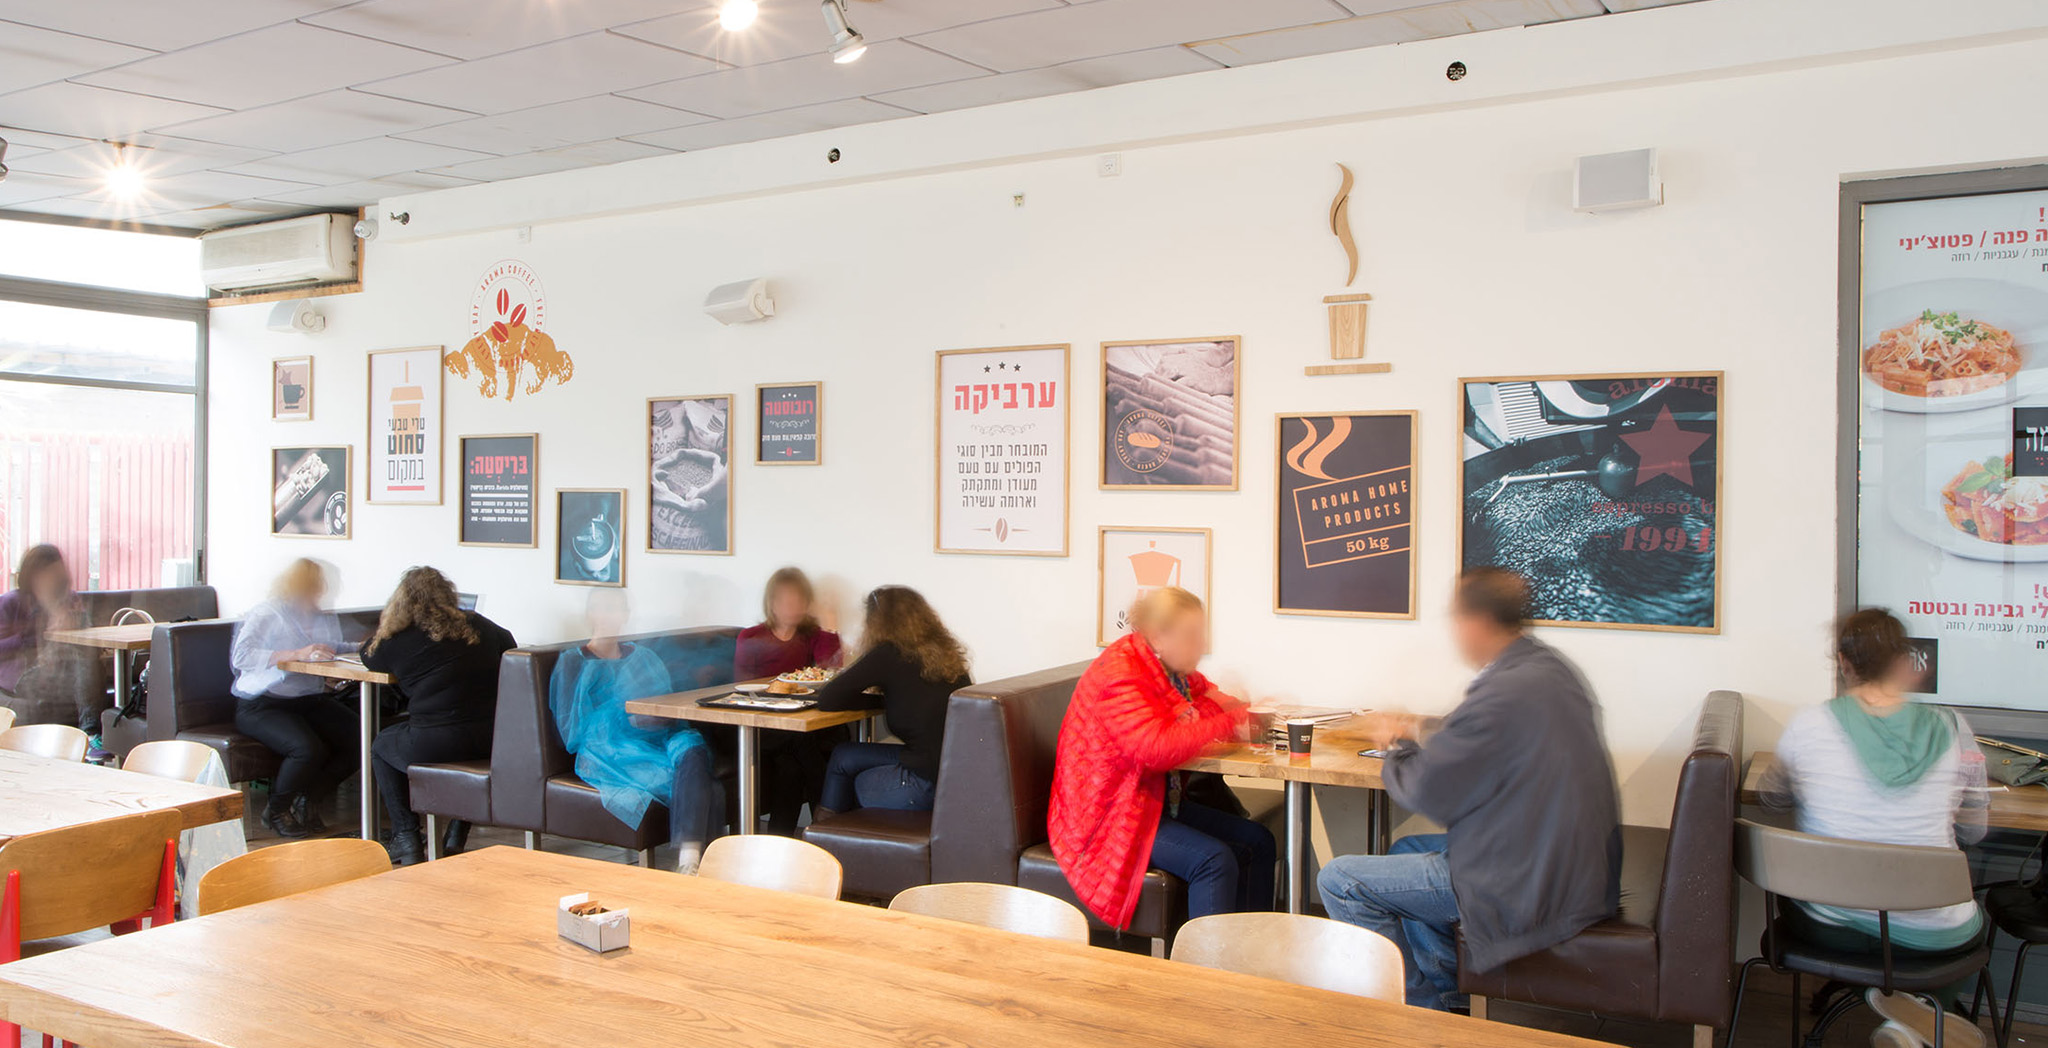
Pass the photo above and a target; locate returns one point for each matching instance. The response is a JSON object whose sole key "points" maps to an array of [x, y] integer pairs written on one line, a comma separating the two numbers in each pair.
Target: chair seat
{"points": [[456, 790], [244, 757], [575, 810], [1162, 900], [2019, 912], [1912, 972], [883, 852]]}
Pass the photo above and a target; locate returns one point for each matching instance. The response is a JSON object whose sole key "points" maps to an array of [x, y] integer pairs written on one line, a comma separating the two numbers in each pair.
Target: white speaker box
{"points": [[740, 302], [1617, 181]]}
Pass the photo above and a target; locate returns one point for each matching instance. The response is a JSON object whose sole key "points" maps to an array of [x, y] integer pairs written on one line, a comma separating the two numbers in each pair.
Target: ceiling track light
{"points": [[735, 15], [847, 43], [124, 178]]}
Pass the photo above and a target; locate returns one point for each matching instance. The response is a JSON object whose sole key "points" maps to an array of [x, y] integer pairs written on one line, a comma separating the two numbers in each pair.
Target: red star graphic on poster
{"points": [[1665, 450]]}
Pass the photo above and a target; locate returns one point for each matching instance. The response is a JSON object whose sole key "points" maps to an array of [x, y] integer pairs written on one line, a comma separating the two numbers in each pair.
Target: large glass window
{"points": [[114, 258]]}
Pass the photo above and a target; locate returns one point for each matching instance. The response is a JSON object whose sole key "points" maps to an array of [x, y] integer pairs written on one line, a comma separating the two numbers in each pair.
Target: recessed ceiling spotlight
{"points": [[124, 178], [847, 43], [736, 15]]}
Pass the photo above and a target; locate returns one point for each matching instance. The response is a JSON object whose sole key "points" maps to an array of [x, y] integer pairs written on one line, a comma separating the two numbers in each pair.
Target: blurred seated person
{"points": [[633, 761], [1118, 805], [299, 716], [445, 660], [916, 663], [789, 638], [1518, 775], [45, 683]]}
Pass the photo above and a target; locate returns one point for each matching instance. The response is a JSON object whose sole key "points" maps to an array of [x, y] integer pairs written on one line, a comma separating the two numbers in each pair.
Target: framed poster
{"points": [[1346, 513], [1131, 562], [689, 474], [309, 496], [590, 530], [1603, 490], [1169, 415], [404, 463], [500, 504], [291, 389], [792, 420], [1003, 468], [1944, 408]]}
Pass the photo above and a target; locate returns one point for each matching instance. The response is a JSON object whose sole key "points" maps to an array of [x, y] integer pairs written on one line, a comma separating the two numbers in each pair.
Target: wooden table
{"points": [[352, 668], [1332, 761], [123, 640], [463, 951], [2017, 808], [747, 763], [37, 793]]}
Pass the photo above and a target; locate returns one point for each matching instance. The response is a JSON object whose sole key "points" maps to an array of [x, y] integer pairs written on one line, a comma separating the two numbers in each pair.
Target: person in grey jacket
{"points": [[1519, 777]]}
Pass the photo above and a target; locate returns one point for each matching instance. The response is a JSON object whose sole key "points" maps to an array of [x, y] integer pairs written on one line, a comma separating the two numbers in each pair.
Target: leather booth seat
{"points": [[168, 604]]}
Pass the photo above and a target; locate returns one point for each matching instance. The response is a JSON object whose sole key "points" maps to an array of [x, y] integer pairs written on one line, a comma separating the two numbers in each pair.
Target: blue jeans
{"points": [[696, 810], [1227, 861], [867, 775], [1406, 896]]}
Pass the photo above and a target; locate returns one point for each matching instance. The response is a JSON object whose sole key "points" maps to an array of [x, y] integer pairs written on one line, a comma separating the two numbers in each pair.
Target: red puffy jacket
{"points": [[1125, 729]]}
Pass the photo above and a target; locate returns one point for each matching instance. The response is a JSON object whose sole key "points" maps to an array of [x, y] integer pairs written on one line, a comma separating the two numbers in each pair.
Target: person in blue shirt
{"points": [[295, 714]]}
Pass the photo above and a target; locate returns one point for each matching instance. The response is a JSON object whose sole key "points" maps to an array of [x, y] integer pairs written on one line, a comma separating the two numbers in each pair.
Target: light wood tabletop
{"points": [[44, 794], [341, 668], [463, 951], [683, 706], [2014, 808], [1332, 761], [129, 636]]}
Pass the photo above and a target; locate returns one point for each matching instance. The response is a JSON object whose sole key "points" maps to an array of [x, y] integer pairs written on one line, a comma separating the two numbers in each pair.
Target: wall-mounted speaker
{"points": [[1617, 181], [740, 302]]}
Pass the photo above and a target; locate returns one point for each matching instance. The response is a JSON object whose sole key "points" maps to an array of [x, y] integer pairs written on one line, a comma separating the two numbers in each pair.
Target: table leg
{"points": [[123, 662], [864, 730], [1296, 859], [368, 691], [1383, 821], [749, 756]]}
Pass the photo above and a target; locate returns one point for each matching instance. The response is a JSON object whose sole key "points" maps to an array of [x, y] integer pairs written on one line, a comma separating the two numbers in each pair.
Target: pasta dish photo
{"points": [[1942, 355], [1987, 501]]}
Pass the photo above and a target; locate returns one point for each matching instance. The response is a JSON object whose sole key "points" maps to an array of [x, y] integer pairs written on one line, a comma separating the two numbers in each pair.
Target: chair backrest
{"points": [[1296, 948], [190, 677], [6, 718], [783, 864], [168, 604], [1696, 909], [288, 869], [169, 759], [1858, 875], [81, 877], [1003, 906], [995, 773], [60, 742]]}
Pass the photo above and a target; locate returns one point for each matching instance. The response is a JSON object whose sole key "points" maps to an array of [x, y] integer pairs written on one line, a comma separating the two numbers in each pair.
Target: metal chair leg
{"points": [[1795, 1011], [1741, 984], [532, 840], [1836, 1008], [1940, 1016], [433, 837], [2012, 994]]}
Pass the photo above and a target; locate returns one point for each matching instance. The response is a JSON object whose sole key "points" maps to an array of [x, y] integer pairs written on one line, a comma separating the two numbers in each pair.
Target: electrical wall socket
{"points": [[1109, 165]]}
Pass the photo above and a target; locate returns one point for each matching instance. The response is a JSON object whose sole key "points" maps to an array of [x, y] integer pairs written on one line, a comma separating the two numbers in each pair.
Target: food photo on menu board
{"points": [[1951, 359], [1169, 414], [689, 456], [1347, 515], [1603, 490], [1002, 451]]}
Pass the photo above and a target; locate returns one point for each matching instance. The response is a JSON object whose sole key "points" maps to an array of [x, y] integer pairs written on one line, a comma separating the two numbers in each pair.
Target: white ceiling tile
{"points": [[92, 207], [474, 30], [595, 64], [31, 56], [1109, 27], [1638, 5], [353, 194], [21, 137], [20, 187], [891, 65], [844, 113], [223, 215], [1034, 83], [1393, 27], [268, 65], [319, 120], [161, 25], [560, 124], [355, 161], [584, 154], [789, 28], [94, 112], [155, 154], [198, 189]]}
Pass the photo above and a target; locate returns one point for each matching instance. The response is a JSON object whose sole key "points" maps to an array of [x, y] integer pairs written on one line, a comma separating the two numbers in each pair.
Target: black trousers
{"points": [[317, 735], [399, 747]]}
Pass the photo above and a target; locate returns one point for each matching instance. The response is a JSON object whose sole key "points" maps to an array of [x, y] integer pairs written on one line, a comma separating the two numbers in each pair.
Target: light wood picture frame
{"points": [[1584, 521], [765, 427], [1345, 492], [527, 475], [289, 374], [1117, 590], [1019, 420], [689, 477], [583, 516], [311, 491], [1170, 414], [412, 406]]}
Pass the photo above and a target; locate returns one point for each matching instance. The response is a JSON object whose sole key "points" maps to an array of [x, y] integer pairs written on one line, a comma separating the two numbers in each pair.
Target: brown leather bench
{"points": [[1670, 953]]}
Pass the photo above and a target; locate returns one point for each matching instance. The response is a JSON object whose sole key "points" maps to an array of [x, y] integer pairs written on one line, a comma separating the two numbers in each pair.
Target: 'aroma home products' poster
{"points": [[1347, 515]]}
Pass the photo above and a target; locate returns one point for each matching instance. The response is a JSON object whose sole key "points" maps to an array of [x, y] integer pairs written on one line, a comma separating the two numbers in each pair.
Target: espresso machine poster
{"points": [[1347, 515], [1002, 451], [499, 501], [1604, 491], [405, 426], [1950, 369]]}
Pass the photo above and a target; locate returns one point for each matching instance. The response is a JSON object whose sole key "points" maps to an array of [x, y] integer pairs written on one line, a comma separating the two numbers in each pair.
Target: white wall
{"points": [[1475, 260]]}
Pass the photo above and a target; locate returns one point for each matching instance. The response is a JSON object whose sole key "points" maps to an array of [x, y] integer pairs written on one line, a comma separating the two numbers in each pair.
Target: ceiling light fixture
{"points": [[3, 159], [847, 43], [736, 15], [124, 178]]}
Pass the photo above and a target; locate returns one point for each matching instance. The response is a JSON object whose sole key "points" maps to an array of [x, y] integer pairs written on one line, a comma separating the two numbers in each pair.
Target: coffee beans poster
{"points": [[689, 463], [1002, 469], [1347, 515], [1169, 415], [404, 460], [498, 490]]}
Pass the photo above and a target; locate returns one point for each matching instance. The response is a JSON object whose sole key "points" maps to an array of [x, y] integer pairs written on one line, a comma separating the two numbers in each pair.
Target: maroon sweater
{"points": [[761, 654]]}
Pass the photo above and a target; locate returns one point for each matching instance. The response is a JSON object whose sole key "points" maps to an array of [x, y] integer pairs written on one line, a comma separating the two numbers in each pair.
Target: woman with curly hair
{"points": [[917, 665], [445, 660]]}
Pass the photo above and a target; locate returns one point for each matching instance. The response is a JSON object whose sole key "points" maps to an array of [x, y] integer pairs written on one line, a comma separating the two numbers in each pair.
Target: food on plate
{"points": [[807, 675], [783, 687], [1987, 501], [1942, 355]]}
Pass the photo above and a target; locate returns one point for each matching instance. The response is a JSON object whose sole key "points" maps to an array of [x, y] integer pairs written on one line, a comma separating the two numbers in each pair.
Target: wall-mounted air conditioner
{"points": [[315, 249]]}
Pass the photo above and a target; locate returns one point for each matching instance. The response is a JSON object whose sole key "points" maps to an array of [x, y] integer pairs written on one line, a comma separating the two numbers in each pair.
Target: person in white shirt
{"points": [[297, 715]]}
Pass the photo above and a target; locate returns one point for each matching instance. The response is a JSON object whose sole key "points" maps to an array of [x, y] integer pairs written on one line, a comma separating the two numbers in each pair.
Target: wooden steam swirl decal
{"points": [[1340, 224]]}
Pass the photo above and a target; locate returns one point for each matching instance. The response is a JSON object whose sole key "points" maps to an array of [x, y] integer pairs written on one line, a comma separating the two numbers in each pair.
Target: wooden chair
{"points": [[782, 864], [170, 759], [77, 878], [288, 869], [1296, 948], [1003, 906], [60, 742]]}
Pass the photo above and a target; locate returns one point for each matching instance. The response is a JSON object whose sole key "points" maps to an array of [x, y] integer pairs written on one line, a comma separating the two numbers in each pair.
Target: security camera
{"points": [[366, 228]]}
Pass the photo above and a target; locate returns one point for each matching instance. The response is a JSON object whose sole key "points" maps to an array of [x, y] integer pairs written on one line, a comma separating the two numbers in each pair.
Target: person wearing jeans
{"points": [[871, 775], [1227, 861], [917, 665], [1406, 896]]}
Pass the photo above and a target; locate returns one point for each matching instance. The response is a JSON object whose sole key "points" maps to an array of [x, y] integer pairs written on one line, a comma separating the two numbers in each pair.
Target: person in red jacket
{"points": [[1139, 712]]}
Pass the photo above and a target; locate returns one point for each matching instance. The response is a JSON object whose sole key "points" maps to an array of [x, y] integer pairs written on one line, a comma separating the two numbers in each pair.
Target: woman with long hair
{"points": [[910, 657], [790, 637], [1140, 711], [445, 660], [297, 715], [43, 683]]}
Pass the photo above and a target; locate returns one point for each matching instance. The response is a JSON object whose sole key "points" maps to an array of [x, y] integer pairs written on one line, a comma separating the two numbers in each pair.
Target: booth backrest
{"points": [[191, 679], [995, 775], [526, 750], [1696, 911], [171, 604]]}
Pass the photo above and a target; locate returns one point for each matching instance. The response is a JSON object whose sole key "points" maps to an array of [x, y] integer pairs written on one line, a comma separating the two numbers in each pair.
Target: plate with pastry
{"points": [[807, 675]]}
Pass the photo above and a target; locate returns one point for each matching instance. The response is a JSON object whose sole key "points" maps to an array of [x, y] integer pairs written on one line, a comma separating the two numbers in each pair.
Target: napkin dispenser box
{"points": [[599, 932]]}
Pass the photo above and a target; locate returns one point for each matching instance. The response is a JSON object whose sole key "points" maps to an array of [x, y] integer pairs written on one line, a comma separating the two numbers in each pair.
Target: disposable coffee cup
{"points": [[1301, 737]]}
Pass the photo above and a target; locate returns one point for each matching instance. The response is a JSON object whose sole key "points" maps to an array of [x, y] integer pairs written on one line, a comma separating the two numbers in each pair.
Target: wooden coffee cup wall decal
{"points": [[1347, 312]]}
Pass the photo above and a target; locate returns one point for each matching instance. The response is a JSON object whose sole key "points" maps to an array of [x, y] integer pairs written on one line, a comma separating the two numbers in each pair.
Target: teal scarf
{"points": [[1898, 749]]}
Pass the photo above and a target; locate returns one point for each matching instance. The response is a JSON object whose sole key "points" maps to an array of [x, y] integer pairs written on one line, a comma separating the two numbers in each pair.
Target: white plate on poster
{"points": [[1924, 520], [2017, 308]]}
